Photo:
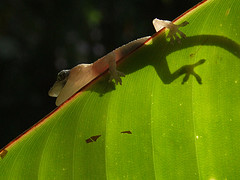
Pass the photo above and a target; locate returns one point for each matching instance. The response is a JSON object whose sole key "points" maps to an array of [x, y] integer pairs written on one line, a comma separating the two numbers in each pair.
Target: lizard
{"points": [[70, 81]]}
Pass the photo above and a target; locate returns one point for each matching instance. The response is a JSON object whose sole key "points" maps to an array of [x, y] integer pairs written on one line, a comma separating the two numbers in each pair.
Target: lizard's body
{"points": [[70, 81]]}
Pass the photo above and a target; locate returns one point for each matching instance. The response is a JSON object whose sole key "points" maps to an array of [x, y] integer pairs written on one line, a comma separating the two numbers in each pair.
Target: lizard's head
{"points": [[70, 81], [62, 78]]}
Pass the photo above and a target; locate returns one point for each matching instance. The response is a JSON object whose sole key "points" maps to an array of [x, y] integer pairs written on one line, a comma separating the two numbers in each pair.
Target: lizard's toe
{"points": [[117, 77]]}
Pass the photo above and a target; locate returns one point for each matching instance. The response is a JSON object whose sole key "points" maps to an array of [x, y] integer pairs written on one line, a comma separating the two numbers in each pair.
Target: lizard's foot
{"points": [[173, 29], [117, 77], [174, 32]]}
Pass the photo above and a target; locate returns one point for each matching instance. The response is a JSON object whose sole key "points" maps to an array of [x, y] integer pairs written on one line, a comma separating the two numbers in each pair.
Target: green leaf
{"points": [[162, 123]]}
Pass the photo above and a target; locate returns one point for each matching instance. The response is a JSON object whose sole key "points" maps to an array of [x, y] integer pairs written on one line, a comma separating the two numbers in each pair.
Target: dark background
{"points": [[38, 38]]}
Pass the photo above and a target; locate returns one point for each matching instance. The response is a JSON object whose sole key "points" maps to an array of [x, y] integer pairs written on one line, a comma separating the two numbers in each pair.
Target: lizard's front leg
{"points": [[115, 74]]}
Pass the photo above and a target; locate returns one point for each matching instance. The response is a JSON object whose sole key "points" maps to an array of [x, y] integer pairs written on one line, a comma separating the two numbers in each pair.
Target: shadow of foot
{"points": [[189, 70]]}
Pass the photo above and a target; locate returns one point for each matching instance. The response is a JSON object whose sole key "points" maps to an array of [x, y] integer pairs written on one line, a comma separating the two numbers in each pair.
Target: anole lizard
{"points": [[70, 81]]}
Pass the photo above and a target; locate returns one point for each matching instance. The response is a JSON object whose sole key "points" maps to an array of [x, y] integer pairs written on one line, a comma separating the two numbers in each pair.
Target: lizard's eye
{"points": [[63, 75]]}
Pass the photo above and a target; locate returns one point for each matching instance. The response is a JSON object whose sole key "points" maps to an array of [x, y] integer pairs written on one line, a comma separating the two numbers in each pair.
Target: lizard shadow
{"points": [[162, 67], [159, 60]]}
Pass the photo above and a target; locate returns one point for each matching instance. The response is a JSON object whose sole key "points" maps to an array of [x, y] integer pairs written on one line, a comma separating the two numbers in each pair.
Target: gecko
{"points": [[70, 81]]}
